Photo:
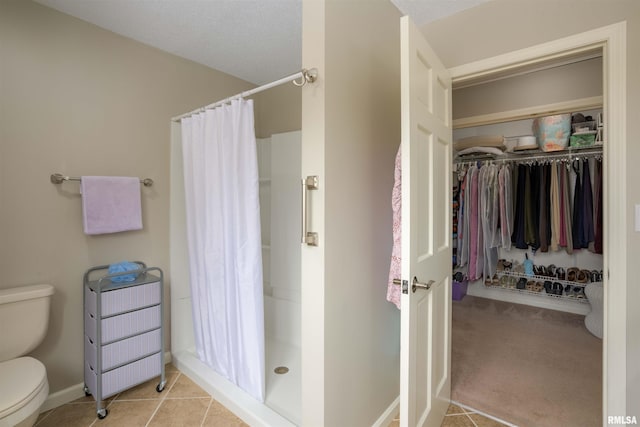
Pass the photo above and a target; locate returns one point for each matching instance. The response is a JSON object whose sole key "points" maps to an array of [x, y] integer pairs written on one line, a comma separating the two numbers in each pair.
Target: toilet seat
{"points": [[23, 385]]}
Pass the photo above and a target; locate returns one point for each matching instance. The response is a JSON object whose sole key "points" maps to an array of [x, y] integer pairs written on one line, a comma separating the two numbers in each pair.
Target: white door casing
{"points": [[425, 367]]}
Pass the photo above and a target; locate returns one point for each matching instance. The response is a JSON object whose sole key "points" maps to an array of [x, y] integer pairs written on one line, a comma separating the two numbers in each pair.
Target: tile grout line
{"points": [[471, 419], [163, 399], [146, 399], [95, 419], [484, 414], [46, 416], [204, 418]]}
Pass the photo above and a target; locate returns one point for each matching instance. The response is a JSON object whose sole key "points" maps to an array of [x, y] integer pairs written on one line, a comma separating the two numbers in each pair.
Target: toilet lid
{"points": [[20, 380]]}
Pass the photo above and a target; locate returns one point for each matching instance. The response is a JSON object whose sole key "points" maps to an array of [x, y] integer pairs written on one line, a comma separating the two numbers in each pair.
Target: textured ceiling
{"points": [[255, 40]]}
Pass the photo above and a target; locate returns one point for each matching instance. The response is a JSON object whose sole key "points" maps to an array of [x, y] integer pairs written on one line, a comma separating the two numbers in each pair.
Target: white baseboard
{"points": [[389, 414], [61, 397], [74, 392]]}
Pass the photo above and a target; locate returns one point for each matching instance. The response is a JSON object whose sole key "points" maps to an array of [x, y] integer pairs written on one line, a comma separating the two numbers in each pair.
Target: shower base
{"points": [[284, 390], [283, 402]]}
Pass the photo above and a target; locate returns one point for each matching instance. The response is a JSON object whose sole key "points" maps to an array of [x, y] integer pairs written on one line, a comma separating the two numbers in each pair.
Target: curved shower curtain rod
{"points": [[306, 76]]}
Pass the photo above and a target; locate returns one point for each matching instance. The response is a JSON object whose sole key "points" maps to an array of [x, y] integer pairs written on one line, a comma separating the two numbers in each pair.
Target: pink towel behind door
{"points": [[110, 204]]}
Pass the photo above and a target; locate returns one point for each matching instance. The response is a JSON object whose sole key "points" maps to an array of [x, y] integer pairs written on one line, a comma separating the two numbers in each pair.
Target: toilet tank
{"points": [[24, 316]]}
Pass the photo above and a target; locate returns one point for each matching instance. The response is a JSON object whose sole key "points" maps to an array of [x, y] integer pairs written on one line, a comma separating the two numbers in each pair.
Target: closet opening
{"points": [[528, 240]]}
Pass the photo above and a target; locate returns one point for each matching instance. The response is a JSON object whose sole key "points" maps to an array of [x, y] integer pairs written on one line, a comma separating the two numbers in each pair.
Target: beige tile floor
{"points": [[463, 417], [184, 403], [181, 403]]}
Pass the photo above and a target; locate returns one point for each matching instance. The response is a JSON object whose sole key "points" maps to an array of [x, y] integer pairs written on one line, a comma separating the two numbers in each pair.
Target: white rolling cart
{"points": [[123, 328]]}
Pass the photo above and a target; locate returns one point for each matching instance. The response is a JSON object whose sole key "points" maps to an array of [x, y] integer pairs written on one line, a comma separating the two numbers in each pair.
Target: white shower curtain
{"points": [[224, 239]]}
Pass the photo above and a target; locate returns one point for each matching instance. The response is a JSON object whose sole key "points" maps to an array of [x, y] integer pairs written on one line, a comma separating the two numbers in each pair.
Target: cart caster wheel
{"points": [[102, 414], [159, 388], [87, 393]]}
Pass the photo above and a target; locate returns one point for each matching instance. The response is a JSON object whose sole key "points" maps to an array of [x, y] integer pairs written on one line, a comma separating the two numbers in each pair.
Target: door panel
{"points": [[426, 232]]}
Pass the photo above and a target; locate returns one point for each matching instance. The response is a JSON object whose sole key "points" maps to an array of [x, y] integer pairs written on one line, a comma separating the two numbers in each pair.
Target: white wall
{"points": [[280, 201], [563, 83], [351, 132], [285, 222]]}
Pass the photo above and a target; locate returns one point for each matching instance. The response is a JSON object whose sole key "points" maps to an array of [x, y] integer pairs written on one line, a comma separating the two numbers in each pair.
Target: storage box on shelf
{"points": [[123, 326]]}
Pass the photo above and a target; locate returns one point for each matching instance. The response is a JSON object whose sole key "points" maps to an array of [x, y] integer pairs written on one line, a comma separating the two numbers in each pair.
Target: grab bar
{"points": [[307, 237]]}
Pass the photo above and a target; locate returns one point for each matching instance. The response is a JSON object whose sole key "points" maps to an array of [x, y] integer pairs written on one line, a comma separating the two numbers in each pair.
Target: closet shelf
{"points": [[535, 156], [542, 278], [541, 294]]}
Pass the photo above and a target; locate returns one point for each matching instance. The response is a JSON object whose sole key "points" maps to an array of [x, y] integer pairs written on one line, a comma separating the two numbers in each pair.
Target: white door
{"points": [[425, 367]]}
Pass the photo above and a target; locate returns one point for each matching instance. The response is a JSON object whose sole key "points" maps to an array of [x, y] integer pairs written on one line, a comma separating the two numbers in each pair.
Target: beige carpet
{"points": [[528, 366]]}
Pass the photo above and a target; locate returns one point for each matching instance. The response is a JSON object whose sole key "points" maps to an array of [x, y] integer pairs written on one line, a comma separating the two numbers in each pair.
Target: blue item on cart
{"points": [[122, 267]]}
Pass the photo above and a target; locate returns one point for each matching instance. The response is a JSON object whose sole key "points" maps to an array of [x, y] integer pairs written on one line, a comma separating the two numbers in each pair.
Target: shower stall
{"points": [[279, 165]]}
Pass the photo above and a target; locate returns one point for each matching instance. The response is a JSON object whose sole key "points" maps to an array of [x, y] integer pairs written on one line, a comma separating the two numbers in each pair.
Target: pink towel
{"points": [[110, 204]]}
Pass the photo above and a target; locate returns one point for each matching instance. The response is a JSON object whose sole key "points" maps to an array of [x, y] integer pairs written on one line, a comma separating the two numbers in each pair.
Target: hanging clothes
{"points": [[506, 206], [578, 214], [532, 208], [544, 226], [555, 208], [528, 206], [597, 246], [566, 235], [529, 212], [587, 207], [489, 204], [494, 200], [393, 291], [466, 236], [460, 219], [473, 220], [480, 241], [518, 238]]}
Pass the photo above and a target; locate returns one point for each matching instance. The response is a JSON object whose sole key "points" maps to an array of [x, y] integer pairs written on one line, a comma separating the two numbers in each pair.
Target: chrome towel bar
{"points": [[57, 178]]}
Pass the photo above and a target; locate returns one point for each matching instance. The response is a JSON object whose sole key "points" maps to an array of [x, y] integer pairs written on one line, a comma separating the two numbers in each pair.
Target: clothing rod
{"points": [[560, 155], [57, 178], [307, 76]]}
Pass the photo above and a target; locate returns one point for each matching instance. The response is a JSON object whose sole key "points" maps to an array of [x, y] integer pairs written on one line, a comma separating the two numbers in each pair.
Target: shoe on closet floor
{"points": [[551, 270], [504, 282], [583, 276], [568, 291], [557, 288]]}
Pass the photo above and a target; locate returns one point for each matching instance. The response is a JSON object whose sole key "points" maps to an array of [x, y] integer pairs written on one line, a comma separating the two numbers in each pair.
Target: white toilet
{"points": [[24, 316]]}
